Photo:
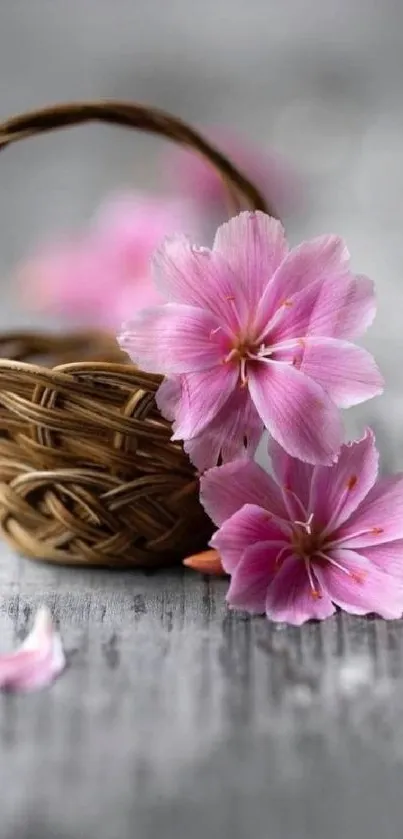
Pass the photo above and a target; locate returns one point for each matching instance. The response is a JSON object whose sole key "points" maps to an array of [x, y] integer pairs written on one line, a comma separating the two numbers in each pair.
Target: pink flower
{"points": [[99, 276], [235, 431], [39, 660], [313, 538], [255, 336], [198, 179]]}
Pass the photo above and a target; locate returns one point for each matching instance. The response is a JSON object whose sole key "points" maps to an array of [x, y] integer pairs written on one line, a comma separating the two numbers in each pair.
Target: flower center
{"points": [[310, 545], [243, 352], [305, 541]]}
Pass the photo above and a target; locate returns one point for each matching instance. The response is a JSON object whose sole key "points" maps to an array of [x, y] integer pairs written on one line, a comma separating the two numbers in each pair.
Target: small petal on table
{"points": [[38, 661]]}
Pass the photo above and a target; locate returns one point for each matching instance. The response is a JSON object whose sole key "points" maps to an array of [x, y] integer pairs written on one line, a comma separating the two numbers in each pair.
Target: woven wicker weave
{"points": [[88, 473]]}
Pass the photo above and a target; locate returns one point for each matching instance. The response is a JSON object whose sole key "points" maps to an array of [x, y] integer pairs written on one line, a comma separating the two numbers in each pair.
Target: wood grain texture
{"points": [[176, 717]]}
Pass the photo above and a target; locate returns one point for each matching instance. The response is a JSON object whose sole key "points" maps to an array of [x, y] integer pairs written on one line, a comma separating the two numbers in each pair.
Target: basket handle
{"points": [[143, 118]]}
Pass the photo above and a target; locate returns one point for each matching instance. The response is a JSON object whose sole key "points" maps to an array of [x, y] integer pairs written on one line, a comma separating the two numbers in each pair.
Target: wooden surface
{"points": [[176, 718]]}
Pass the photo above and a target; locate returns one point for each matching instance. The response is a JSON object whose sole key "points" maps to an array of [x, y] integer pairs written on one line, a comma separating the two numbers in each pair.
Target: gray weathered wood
{"points": [[178, 718]]}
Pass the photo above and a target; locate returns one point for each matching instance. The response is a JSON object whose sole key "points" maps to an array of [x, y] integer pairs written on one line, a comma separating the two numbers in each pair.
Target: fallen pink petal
{"points": [[38, 661], [255, 336], [311, 539]]}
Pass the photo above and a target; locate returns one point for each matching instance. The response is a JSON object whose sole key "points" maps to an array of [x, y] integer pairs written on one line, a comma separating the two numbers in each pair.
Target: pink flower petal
{"points": [[235, 432], [290, 598], [168, 396], [378, 519], [248, 525], [388, 557], [339, 490], [346, 372], [173, 339], [327, 307], [251, 577], [225, 489], [364, 589], [39, 660], [359, 308], [294, 476], [297, 412], [198, 277], [254, 244], [203, 395], [311, 262], [205, 450]]}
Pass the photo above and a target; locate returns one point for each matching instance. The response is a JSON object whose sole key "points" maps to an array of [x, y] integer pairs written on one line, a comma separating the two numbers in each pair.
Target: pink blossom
{"points": [[38, 661], [271, 173], [96, 277], [234, 432], [255, 336], [315, 538]]}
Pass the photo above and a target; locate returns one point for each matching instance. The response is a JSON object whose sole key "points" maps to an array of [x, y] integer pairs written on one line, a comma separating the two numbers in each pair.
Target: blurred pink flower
{"points": [[255, 336], [39, 660], [194, 177], [313, 538], [97, 277]]}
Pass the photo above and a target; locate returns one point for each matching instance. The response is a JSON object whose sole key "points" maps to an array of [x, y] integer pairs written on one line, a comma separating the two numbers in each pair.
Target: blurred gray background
{"points": [[320, 81]]}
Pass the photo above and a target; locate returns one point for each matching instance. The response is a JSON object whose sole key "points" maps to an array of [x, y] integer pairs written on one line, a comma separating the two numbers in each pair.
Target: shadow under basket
{"points": [[88, 472]]}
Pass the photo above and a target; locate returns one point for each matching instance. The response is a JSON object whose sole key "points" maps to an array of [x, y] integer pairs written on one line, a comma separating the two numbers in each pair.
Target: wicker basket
{"points": [[88, 473]]}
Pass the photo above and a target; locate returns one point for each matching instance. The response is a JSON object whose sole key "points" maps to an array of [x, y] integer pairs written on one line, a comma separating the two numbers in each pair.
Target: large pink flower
{"points": [[313, 538], [256, 335], [95, 278]]}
